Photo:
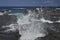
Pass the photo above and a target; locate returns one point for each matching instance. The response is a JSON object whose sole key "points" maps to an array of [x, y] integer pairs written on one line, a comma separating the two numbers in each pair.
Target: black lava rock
{"points": [[7, 20]]}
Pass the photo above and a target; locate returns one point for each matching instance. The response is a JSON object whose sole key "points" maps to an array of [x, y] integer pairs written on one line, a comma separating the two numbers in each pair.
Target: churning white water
{"points": [[30, 27]]}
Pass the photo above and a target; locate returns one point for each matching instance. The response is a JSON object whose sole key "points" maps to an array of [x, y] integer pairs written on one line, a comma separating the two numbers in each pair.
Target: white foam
{"points": [[30, 28]]}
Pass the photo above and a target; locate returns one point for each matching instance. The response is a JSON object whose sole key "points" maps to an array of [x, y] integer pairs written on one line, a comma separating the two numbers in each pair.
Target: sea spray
{"points": [[30, 27]]}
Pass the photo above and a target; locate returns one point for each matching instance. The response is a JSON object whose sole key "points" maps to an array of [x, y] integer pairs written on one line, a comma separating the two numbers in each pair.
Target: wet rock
{"points": [[9, 35], [53, 30], [50, 36], [7, 20]]}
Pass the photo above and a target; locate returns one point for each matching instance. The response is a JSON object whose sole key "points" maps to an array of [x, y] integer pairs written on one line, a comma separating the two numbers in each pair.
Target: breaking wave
{"points": [[30, 27]]}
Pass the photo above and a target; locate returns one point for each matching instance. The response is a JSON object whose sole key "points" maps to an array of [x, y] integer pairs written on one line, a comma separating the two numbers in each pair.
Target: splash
{"points": [[30, 27]]}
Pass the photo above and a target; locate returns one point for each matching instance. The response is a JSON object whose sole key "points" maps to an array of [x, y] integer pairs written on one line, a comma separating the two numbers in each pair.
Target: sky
{"points": [[30, 3]]}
